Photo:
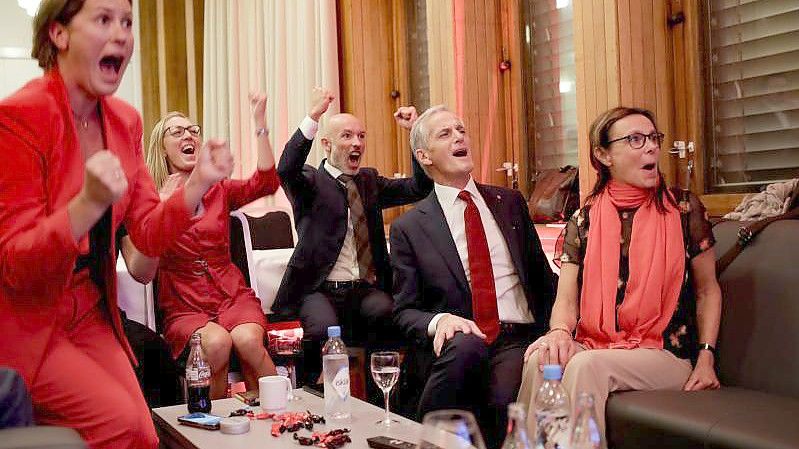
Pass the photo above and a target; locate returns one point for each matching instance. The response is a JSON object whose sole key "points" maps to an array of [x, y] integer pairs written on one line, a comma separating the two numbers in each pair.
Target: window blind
{"points": [[551, 98], [753, 67]]}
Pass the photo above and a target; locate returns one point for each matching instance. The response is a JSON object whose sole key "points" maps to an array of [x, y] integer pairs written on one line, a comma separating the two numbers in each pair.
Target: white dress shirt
{"points": [[346, 267], [511, 299]]}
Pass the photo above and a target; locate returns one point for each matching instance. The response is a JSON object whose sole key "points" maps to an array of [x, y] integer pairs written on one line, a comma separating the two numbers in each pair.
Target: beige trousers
{"points": [[602, 371]]}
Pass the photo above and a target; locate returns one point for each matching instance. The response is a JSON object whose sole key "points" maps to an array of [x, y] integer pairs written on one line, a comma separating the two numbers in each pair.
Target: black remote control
{"points": [[382, 442]]}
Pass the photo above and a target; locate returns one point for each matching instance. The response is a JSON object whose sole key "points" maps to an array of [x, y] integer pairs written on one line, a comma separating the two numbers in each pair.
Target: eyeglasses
{"points": [[177, 130], [638, 140]]}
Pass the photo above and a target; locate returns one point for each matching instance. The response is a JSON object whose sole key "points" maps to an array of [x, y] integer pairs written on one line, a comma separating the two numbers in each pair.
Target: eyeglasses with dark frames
{"points": [[638, 140], [177, 131]]}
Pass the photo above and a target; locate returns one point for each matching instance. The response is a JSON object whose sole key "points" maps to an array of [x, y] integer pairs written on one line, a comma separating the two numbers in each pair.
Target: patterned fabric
{"points": [[681, 335], [484, 292], [360, 229]]}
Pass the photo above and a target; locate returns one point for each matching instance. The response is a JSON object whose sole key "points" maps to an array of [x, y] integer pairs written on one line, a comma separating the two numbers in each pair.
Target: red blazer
{"points": [[42, 170]]}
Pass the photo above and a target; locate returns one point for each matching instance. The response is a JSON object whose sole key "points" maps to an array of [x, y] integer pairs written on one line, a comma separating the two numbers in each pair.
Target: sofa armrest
{"points": [[40, 437]]}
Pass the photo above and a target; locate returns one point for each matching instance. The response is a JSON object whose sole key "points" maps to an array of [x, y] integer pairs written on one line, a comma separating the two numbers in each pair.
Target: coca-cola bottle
{"points": [[198, 377]]}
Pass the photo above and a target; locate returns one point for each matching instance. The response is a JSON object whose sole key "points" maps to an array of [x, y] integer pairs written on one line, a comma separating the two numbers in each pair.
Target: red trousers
{"points": [[86, 382]]}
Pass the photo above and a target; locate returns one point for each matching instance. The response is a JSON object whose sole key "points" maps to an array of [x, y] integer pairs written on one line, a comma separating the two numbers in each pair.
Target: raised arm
{"points": [[264, 180], [398, 192], [290, 167]]}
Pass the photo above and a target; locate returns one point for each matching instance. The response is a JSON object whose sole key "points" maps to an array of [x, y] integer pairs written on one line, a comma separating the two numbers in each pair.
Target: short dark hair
{"points": [[598, 137]]}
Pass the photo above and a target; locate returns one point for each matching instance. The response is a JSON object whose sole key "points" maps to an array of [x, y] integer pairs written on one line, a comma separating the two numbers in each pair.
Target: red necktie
{"points": [[484, 293]]}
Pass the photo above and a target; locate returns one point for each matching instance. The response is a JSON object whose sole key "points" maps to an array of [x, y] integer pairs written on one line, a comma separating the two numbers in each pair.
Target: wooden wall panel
{"points": [[149, 66], [623, 56], [441, 53], [598, 61], [369, 65], [167, 75]]}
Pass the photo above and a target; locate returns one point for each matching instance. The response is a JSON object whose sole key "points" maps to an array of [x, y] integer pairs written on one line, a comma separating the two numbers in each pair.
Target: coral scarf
{"points": [[657, 266]]}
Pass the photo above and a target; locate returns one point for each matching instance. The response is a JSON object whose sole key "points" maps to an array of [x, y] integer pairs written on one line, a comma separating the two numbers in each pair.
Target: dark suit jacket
{"points": [[320, 215], [429, 277]]}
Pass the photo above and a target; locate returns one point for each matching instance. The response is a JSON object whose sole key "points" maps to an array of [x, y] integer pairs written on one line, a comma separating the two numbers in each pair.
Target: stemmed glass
{"points": [[385, 372], [450, 429]]}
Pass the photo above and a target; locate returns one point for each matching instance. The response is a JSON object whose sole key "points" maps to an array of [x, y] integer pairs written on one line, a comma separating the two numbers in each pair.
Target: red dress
{"points": [[197, 282]]}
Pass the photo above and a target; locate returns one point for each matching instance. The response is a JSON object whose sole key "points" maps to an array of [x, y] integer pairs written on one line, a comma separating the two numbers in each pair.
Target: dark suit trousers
{"points": [[484, 379], [364, 315]]}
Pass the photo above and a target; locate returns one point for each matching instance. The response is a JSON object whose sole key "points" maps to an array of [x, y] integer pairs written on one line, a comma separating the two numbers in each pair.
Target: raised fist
{"points": [[406, 116], [104, 181], [214, 163], [258, 108], [320, 103]]}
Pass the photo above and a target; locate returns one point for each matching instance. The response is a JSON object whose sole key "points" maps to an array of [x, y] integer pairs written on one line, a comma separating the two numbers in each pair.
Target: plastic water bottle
{"points": [[198, 377], [552, 411], [336, 369], [516, 437], [585, 430]]}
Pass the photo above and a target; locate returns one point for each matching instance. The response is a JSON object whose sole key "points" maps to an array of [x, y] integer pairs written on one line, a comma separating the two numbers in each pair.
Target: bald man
{"points": [[339, 273]]}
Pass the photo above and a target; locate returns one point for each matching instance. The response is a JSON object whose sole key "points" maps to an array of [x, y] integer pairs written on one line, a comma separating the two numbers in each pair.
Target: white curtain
{"points": [[282, 47]]}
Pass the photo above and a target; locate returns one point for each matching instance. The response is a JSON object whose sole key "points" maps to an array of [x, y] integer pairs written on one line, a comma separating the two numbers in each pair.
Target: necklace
{"points": [[82, 122]]}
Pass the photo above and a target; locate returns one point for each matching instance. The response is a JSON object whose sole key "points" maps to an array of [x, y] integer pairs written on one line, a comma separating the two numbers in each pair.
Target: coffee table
{"points": [[362, 426]]}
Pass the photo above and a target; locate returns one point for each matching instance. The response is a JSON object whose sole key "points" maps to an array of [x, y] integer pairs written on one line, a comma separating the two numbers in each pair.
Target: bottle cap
{"points": [[235, 425], [333, 331], [552, 372]]}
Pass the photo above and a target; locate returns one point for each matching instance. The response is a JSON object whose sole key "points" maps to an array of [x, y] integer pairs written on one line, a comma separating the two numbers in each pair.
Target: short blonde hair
{"points": [[155, 156]]}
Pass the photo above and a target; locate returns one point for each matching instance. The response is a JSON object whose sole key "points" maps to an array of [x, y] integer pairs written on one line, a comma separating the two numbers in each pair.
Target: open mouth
{"points": [[462, 152], [111, 63], [649, 167], [355, 157], [188, 149]]}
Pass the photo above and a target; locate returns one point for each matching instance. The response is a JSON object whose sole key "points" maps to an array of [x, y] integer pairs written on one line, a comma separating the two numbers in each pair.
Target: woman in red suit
{"points": [[73, 173], [199, 287]]}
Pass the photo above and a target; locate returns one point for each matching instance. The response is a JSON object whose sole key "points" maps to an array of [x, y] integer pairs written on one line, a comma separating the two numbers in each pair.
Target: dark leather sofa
{"points": [[758, 361]]}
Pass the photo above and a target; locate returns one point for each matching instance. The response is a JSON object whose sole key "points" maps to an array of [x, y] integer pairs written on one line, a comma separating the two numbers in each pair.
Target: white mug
{"points": [[273, 392]]}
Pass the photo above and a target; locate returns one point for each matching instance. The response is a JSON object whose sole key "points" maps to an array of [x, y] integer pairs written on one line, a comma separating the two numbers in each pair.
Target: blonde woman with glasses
{"points": [[199, 287]]}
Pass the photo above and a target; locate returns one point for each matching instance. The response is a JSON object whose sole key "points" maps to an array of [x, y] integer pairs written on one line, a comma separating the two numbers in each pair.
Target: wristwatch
{"points": [[708, 347]]}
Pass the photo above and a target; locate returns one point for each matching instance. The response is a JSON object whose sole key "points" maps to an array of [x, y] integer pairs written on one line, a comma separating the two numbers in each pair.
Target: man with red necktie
{"points": [[471, 282]]}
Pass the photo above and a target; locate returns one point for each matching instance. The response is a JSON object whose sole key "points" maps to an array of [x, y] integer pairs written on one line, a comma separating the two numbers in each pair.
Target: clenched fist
{"points": [[214, 163], [406, 116], [104, 180], [321, 101]]}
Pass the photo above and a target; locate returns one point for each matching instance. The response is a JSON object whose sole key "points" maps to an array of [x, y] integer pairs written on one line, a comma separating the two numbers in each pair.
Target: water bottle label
{"points": [[341, 383], [552, 431]]}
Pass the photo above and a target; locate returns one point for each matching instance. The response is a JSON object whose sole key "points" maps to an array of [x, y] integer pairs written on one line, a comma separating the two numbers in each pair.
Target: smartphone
{"points": [[249, 397], [389, 443], [314, 389], [201, 420]]}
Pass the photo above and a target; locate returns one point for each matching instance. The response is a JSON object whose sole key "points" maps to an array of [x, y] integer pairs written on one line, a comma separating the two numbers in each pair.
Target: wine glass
{"points": [[450, 429], [385, 372], [286, 349]]}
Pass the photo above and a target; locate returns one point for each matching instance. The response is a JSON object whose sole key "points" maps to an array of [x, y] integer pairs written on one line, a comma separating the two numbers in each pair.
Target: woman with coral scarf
{"points": [[639, 279]]}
